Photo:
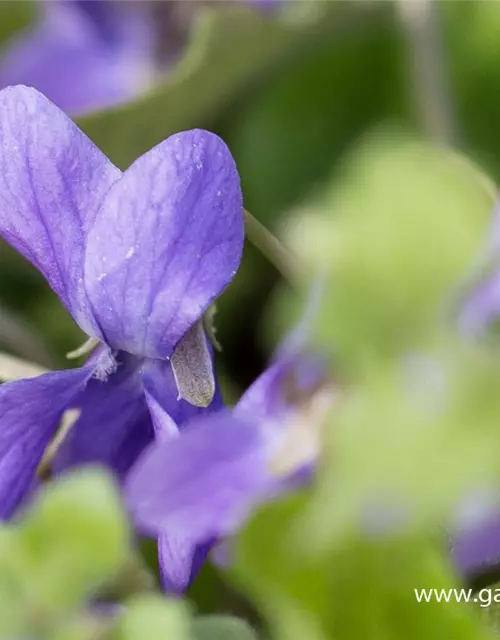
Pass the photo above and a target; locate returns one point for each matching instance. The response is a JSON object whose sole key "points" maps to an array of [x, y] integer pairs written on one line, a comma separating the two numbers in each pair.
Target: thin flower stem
{"points": [[270, 247], [421, 22]]}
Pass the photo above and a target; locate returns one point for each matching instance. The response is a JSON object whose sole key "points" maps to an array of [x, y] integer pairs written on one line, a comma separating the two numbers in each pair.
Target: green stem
{"points": [[270, 247]]}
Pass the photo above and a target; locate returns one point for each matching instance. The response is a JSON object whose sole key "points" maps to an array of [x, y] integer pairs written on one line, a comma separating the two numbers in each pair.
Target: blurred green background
{"points": [[290, 90]]}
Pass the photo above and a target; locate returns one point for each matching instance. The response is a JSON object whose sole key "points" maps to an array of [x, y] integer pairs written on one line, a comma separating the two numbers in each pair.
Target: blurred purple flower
{"points": [[198, 488], [91, 54], [481, 307], [84, 54], [136, 258], [476, 548], [476, 542]]}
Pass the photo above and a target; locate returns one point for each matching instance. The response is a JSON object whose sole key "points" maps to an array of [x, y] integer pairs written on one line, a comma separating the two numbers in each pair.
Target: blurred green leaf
{"points": [[356, 587], [154, 618], [229, 48], [287, 136], [74, 539], [218, 627], [410, 440], [395, 235], [15, 15]]}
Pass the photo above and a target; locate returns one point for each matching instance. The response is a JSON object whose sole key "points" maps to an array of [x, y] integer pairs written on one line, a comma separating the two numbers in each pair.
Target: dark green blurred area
{"points": [[288, 127]]}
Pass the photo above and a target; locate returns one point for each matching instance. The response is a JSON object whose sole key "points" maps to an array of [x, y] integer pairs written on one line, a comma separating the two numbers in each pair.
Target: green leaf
{"points": [[154, 618], [410, 439], [229, 48], [395, 236], [74, 539], [359, 586], [218, 627], [14, 15], [287, 137]]}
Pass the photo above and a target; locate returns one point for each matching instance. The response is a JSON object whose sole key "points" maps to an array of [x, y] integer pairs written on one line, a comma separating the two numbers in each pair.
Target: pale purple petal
{"points": [[52, 182], [114, 426], [83, 55], [263, 5], [481, 308], [179, 561], [179, 556], [30, 414], [166, 242], [476, 550], [282, 389], [201, 485]]}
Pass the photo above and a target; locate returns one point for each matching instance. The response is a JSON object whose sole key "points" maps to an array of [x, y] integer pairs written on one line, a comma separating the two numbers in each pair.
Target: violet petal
{"points": [[179, 561], [202, 484], [114, 426], [108, 48], [31, 412], [166, 242], [52, 182]]}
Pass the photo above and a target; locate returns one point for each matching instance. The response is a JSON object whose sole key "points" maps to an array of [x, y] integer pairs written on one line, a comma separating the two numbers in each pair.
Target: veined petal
{"points": [[30, 414], [52, 182], [166, 242], [202, 484], [114, 425]]}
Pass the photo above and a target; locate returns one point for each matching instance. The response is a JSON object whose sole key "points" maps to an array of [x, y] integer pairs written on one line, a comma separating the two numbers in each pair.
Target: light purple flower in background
{"points": [[136, 258], [198, 488], [481, 306], [92, 54], [476, 543], [84, 54]]}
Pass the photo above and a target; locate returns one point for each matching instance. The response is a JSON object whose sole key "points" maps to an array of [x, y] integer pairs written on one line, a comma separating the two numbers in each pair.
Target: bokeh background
{"points": [[290, 86]]}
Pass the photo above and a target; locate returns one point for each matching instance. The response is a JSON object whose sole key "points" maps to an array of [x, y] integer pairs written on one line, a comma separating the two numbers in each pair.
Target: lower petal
{"points": [[202, 484], [31, 412], [114, 425], [180, 560]]}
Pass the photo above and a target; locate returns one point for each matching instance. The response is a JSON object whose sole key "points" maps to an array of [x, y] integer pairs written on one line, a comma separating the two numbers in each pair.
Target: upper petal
{"points": [[52, 182], [202, 484], [166, 242], [30, 413]]}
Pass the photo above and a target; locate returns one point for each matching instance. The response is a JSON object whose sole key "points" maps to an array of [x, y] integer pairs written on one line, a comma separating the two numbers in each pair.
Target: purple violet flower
{"points": [[84, 54], [92, 54], [136, 258], [195, 490]]}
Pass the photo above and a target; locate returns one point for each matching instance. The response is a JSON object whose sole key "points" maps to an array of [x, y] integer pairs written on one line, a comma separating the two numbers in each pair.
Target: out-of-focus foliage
{"points": [[353, 587], [227, 50], [73, 539], [392, 226], [395, 236]]}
